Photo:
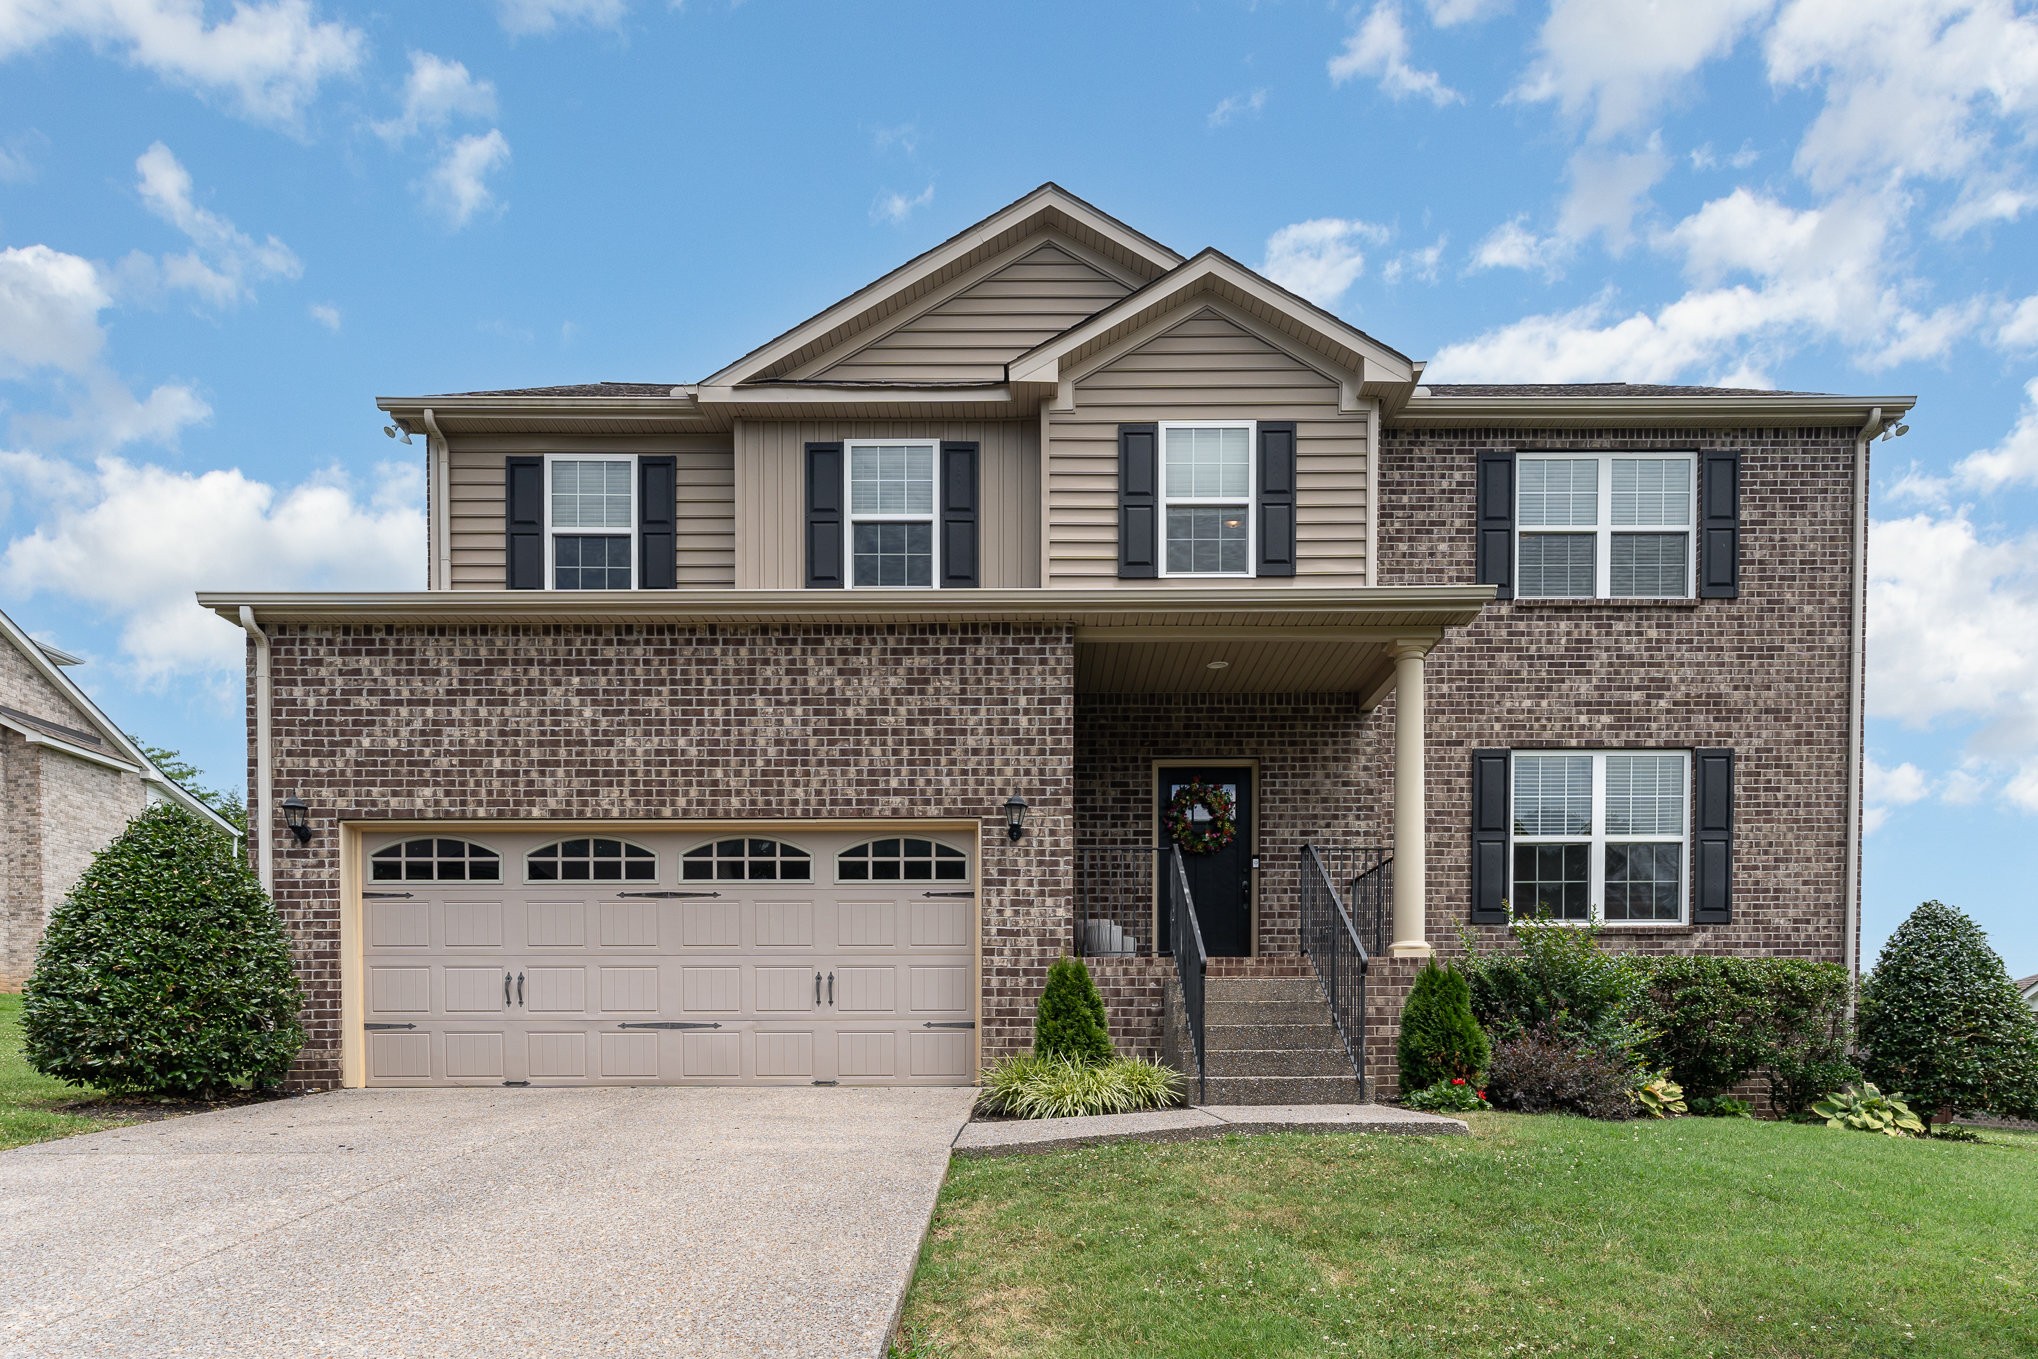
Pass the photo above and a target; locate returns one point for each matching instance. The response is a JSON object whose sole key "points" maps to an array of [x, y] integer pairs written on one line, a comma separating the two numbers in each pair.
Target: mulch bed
{"points": [[150, 1108]]}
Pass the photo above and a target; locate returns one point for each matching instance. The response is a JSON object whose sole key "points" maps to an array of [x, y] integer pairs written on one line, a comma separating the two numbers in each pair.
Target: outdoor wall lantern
{"points": [[296, 815], [1015, 816]]}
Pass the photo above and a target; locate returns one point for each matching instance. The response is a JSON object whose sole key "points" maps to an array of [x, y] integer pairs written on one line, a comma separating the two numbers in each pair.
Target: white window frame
{"points": [[551, 534], [1603, 529], [851, 518], [1597, 841], [1252, 498]]}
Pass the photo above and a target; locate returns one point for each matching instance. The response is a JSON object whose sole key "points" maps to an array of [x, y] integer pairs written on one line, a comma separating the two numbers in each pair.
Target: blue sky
{"points": [[225, 228]]}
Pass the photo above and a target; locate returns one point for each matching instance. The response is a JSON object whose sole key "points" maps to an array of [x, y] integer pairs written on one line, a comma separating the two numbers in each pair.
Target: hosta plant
{"points": [[1864, 1108], [1721, 1106], [1053, 1087], [1454, 1096], [1659, 1096]]}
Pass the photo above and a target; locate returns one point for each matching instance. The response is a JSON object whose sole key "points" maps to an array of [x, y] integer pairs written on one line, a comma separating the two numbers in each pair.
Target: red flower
{"points": [[1482, 1094], [1457, 1080]]}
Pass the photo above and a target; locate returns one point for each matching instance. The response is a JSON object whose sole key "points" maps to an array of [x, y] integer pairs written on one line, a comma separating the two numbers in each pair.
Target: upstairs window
{"points": [[1599, 836], [1605, 526], [1207, 498], [435, 860], [904, 859], [591, 522], [891, 514], [590, 860]]}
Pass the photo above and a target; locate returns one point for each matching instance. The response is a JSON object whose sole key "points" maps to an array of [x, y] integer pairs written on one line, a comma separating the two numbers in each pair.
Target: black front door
{"points": [[1221, 881]]}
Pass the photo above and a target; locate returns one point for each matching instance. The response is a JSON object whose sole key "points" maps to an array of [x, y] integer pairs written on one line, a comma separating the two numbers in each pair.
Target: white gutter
{"points": [[439, 528], [1372, 492], [1856, 665], [264, 778]]}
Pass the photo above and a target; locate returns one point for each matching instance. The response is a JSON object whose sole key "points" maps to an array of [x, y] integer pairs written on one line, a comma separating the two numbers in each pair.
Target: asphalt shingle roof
{"points": [[1593, 389]]}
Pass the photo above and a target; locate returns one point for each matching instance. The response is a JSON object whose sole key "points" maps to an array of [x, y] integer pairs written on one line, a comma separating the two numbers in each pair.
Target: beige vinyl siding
{"points": [[971, 336], [707, 502], [1207, 367], [771, 494]]}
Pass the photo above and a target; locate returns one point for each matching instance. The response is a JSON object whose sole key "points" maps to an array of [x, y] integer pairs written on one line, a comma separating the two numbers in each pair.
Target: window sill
{"points": [[1644, 927], [1686, 603]]}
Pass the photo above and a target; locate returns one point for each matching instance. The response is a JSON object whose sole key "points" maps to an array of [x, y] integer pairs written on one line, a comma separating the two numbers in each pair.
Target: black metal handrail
{"points": [[1191, 962], [1115, 899], [1332, 942], [1354, 870]]}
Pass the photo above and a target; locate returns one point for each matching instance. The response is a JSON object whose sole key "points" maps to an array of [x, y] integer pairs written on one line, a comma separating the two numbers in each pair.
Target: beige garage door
{"points": [[768, 957]]}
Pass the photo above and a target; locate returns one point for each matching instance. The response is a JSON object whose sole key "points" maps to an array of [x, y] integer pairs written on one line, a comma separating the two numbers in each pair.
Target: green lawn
{"points": [[1535, 1236], [26, 1099]]}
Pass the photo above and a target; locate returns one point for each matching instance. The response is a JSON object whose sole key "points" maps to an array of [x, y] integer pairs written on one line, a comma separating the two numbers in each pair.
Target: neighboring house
{"points": [[693, 761], [2027, 987], [69, 782]]}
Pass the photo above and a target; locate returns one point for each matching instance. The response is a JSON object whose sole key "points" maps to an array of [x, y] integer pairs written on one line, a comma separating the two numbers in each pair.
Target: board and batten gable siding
{"points": [[707, 502], [771, 494], [1206, 367], [971, 336]]}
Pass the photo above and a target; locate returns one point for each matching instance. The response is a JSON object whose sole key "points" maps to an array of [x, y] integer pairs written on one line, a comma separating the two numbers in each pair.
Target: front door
{"points": [[1220, 881]]}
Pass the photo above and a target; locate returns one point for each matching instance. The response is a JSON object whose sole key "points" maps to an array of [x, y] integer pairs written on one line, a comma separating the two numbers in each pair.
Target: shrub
{"points": [[1864, 1108], [1543, 1071], [1659, 1096], [165, 971], [1439, 1038], [1715, 1021], [1941, 1019], [1458, 1095], [1070, 1021], [1721, 1106], [1054, 1087], [1549, 975]]}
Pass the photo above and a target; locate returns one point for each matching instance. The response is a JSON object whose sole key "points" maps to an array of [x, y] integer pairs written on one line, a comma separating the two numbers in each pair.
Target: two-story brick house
{"points": [[1053, 593]]}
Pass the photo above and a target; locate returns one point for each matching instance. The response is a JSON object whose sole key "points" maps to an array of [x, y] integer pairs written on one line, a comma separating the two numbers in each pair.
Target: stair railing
{"points": [[1333, 945], [1191, 961]]}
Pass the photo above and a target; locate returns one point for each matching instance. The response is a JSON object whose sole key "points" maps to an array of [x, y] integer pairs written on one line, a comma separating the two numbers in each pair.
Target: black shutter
{"points": [[959, 517], [824, 517], [1138, 502], [523, 553], [1495, 552], [657, 523], [1490, 777], [1712, 825], [1719, 527], [1276, 506]]}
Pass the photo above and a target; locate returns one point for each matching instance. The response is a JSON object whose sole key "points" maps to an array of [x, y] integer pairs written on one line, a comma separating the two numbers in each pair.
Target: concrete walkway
{"points": [[1002, 1137], [492, 1223]]}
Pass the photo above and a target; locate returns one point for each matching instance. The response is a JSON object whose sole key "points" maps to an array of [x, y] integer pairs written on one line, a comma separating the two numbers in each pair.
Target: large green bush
{"points": [[1716, 1021], [1942, 1022], [1440, 1040], [165, 971], [1069, 1023], [1550, 976]]}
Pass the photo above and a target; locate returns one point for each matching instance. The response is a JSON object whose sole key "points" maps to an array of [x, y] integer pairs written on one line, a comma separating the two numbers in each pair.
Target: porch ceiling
{"points": [[1235, 661]]}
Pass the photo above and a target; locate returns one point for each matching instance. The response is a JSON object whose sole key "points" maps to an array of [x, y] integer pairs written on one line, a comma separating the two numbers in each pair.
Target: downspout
{"points": [[439, 477], [1856, 732], [264, 777], [1373, 493]]}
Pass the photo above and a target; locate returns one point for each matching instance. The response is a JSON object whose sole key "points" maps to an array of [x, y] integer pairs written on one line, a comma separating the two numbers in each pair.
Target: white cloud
{"points": [[435, 92], [895, 207], [2013, 461], [124, 540], [1705, 158], [224, 259], [1417, 264], [1232, 105], [18, 157], [1606, 191], [1451, 13], [2019, 328], [270, 58], [1378, 47], [327, 315], [458, 186], [905, 136], [1889, 786], [49, 311], [1511, 245], [524, 17], [1613, 63], [104, 415], [1320, 259]]}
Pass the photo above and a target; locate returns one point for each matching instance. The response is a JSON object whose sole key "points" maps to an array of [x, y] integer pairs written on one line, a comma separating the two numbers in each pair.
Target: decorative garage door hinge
{"points": [[387, 896], [668, 896], [949, 1024], [948, 894], [668, 1024], [372, 1027]]}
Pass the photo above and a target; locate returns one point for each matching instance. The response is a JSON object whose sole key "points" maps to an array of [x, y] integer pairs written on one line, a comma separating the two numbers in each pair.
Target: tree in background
{"points": [[1942, 1022], [1070, 1021], [184, 774], [166, 970]]}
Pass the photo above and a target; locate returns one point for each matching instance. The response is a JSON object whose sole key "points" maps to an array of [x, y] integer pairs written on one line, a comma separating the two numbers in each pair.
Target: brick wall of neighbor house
{"points": [[25, 690], [59, 812], [1764, 675], [20, 858], [668, 721]]}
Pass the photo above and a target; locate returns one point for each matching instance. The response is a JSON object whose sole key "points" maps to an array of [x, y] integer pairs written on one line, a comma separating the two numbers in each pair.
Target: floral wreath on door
{"points": [[1217, 827]]}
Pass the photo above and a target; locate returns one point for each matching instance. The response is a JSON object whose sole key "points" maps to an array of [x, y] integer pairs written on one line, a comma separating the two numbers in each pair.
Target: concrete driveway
{"points": [[479, 1222]]}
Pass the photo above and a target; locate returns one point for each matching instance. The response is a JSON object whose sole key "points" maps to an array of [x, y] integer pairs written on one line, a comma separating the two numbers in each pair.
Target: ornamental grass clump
{"points": [[1440, 1040], [1069, 1022], [165, 971], [1053, 1087]]}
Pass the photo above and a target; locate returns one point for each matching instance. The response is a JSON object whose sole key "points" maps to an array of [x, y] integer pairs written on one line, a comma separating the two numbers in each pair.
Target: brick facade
{"points": [[661, 722]]}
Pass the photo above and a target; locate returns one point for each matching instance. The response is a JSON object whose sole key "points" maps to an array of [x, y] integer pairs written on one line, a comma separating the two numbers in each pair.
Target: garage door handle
{"points": [[831, 988], [817, 988], [520, 988], [668, 896], [948, 894], [505, 990]]}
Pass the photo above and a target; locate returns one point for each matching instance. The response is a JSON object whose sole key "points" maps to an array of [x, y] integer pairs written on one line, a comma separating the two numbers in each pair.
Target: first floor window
{"points": [[591, 519], [1600, 835], [1605, 526], [891, 514], [1207, 495]]}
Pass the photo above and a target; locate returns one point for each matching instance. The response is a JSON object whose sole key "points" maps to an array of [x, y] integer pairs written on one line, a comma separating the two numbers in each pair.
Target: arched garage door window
{"points": [[591, 859], [901, 859], [754, 860], [435, 860]]}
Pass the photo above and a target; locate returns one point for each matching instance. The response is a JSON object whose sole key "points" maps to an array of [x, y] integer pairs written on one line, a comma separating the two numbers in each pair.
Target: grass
{"points": [[28, 1101], [1535, 1236]]}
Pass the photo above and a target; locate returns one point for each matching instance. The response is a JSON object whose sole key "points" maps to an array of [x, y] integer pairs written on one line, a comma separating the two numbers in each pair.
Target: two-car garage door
{"points": [[767, 957]]}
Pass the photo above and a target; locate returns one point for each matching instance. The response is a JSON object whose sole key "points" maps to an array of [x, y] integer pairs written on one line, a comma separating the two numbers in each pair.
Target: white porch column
{"points": [[1411, 861]]}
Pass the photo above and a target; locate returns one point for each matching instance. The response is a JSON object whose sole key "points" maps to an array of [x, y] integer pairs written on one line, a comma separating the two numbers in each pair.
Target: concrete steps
{"points": [[1269, 1040]]}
